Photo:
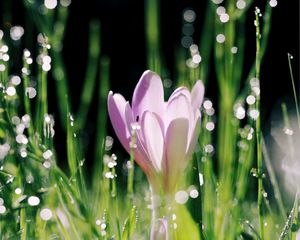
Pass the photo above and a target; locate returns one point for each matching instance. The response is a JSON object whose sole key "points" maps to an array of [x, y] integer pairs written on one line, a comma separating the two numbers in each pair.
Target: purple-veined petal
{"points": [[176, 144], [116, 110], [197, 94], [154, 139], [148, 95]]}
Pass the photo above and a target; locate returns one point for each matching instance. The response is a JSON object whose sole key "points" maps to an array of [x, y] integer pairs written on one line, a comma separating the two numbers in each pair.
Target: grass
{"points": [[228, 172]]}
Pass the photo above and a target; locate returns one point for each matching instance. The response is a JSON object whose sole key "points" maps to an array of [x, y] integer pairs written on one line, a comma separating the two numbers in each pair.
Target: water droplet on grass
{"points": [[2, 209], [250, 99], [273, 3], [181, 197], [16, 32], [220, 38], [224, 17], [33, 201], [234, 50], [50, 4], [18, 191], [15, 80], [46, 214], [11, 91], [241, 4], [210, 126], [189, 15], [207, 104], [194, 193], [220, 10]]}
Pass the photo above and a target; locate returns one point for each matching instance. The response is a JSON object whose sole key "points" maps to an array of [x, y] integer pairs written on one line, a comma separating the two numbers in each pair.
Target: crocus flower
{"points": [[168, 130]]}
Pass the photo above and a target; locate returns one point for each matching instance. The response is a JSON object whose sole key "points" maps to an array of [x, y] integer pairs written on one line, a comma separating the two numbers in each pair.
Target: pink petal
{"points": [[192, 141], [179, 107], [140, 154], [176, 144], [159, 229], [181, 90], [154, 139], [197, 94], [148, 95], [116, 110]]}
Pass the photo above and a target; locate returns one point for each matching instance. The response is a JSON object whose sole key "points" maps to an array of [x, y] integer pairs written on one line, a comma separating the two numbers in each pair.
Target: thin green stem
{"points": [[130, 190], [258, 131], [294, 88]]}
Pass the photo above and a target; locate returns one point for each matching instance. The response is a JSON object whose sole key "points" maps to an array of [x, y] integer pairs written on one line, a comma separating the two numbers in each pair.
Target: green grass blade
{"points": [[294, 89], [90, 76]]}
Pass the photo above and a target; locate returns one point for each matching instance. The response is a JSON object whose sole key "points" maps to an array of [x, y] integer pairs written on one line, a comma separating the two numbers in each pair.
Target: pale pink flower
{"points": [[168, 130]]}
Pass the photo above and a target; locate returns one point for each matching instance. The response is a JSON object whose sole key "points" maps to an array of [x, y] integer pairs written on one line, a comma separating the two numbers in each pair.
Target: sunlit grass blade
{"points": [[152, 28], [90, 76], [42, 99], [206, 41], [290, 219], [45, 24], [103, 88], [129, 224], [260, 190]]}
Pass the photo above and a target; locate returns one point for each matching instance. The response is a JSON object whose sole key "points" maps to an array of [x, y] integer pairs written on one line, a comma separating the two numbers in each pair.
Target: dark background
{"points": [[123, 40]]}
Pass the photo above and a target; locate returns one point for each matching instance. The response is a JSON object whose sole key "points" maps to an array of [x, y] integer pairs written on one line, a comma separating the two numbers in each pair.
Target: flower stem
{"points": [[161, 217]]}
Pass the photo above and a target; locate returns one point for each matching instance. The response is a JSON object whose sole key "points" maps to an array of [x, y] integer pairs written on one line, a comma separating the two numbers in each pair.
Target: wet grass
{"points": [[226, 180]]}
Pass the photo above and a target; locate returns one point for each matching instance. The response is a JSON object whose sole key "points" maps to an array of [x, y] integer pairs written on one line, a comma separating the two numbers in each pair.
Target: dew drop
{"points": [[241, 4], [210, 126], [220, 38], [47, 164], [47, 154], [209, 148], [273, 3], [220, 10], [234, 50], [207, 104], [50, 4], [33, 201], [18, 191], [194, 193], [16, 32], [197, 58], [46, 214], [201, 179], [189, 15], [5, 57], [65, 3], [2, 209], [15, 80], [2, 67], [98, 222], [240, 112], [31, 92], [224, 17], [250, 99], [11, 91], [254, 114], [181, 197]]}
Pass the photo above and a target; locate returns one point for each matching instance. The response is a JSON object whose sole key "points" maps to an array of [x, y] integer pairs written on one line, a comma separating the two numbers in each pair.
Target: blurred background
{"points": [[123, 41]]}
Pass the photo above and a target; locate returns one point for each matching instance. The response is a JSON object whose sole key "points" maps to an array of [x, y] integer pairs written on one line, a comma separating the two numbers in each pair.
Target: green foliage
{"points": [[39, 199]]}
